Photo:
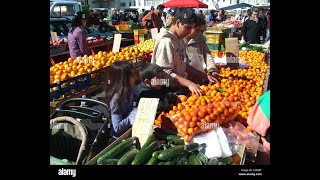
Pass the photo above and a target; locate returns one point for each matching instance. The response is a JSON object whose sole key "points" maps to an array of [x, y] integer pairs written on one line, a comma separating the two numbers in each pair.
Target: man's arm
{"points": [[146, 18], [211, 65], [195, 73]]}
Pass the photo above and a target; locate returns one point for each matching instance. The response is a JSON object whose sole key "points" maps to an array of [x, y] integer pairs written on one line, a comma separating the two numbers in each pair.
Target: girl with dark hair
{"points": [[77, 37], [221, 16], [121, 98]]}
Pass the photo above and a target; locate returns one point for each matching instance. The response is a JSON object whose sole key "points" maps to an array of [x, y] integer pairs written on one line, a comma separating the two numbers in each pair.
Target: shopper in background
{"points": [[246, 17], [212, 16], [264, 22], [251, 29], [202, 15], [259, 121], [239, 16], [169, 18], [121, 97], [77, 37], [153, 19], [268, 26], [94, 21], [221, 16], [197, 49], [115, 16]]}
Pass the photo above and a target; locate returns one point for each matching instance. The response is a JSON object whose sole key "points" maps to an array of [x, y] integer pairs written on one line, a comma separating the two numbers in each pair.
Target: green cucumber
{"points": [[166, 131], [149, 140], [172, 153], [173, 145], [153, 160], [213, 161], [161, 163], [108, 162], [203, 158], [170, 163], [145, 154], [118, 149], [128, 157], [56, 161], [172, 137], [167, 137], [182, 160], [156, 153], [165, 146], [176, 142], [227, 160], [194, 160], [192, 147], [222, 163]]}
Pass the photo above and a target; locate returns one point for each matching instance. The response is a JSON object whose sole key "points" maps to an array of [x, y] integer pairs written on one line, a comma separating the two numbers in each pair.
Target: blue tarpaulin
{"points": [[235, 6]]}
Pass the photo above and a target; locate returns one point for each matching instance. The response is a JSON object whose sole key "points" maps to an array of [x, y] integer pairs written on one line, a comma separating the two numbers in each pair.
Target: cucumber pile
{"points": [[167, 150]]}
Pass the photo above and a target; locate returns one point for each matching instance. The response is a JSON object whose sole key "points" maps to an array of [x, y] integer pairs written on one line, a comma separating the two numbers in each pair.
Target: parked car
{"points": [[61, 25], [60, 8]]}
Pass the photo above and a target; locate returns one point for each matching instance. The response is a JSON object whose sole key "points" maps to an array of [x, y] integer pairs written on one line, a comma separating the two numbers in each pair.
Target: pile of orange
{"points": [[243, 86], [87, 64]]}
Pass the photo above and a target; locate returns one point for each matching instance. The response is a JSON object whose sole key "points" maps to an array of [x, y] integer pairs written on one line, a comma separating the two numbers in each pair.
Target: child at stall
{"points": [[121, 98], [154, 85]]}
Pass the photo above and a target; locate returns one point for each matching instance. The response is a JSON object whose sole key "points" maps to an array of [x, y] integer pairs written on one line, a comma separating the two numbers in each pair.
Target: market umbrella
{"points": [[185, 3], [235, 6]]}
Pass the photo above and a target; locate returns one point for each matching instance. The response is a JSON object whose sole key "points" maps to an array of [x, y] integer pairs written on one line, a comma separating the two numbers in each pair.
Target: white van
{"points": [[64, 8]]}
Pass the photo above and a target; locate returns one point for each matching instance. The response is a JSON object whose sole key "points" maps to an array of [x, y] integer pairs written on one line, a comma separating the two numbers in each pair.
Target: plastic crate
{"points": [[136, 39], [214, 46], [64, 87], [97, 76], [143, 31], [215, 38], [214, 53], [54, 49], [122, 27], [136, 32]]}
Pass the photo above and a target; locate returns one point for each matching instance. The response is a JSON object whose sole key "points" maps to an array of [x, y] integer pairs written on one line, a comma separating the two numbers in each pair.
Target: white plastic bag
{"points": [[237, 134]]}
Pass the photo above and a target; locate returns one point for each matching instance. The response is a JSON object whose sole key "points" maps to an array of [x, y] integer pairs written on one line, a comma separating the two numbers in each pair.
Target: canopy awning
{"points": [[235, 6], [185, 3]]}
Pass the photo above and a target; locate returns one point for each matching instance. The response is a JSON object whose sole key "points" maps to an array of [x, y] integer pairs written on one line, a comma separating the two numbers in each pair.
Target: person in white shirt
{"points": [[239, 16]]}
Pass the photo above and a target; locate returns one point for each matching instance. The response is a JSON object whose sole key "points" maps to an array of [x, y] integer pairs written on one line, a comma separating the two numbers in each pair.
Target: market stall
{"points": [[176, 136]]}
